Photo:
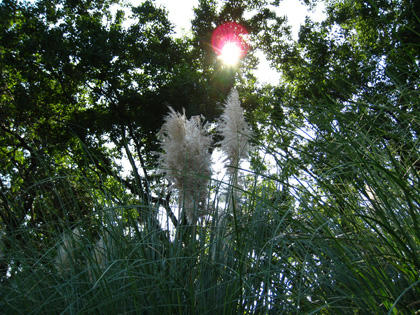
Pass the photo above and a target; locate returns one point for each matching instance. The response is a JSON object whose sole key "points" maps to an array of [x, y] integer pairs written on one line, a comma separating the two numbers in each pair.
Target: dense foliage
{"points": [[324, 220]]}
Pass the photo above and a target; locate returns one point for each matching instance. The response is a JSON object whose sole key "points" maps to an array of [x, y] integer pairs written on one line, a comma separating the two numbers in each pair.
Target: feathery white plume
{"points": [[186, 159], [66, 250], [104, 249], [235, 131]]}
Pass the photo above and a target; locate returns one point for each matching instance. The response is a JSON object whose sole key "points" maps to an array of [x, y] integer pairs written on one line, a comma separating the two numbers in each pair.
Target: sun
{"points": [[231, 53], [230, 42]]}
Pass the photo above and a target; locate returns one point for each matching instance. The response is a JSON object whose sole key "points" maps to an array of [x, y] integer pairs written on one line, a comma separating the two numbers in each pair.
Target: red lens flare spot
{"points": [[230, 38]]}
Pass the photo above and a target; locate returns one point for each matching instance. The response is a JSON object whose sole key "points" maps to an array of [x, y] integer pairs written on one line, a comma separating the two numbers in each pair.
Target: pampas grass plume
{"points": [[235, 131], [186, 160], [66, 251]]}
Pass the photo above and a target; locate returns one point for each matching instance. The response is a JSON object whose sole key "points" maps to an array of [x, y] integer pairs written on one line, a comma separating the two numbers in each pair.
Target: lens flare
{"points": [[229, 42]]}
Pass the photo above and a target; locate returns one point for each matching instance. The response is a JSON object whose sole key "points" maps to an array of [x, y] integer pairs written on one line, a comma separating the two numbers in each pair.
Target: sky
{"points": [[180, 13]]}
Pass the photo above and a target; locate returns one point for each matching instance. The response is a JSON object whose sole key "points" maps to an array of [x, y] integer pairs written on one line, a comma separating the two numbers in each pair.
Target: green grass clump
{"points": [[340, 236]]}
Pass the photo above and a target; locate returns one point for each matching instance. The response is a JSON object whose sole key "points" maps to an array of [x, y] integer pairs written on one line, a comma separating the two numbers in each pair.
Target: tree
{"points": [[74, 79], [353, 80]]}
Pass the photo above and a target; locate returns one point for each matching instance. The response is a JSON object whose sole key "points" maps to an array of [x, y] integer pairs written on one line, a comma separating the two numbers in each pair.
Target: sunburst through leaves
{"points": [[229, 42]]}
